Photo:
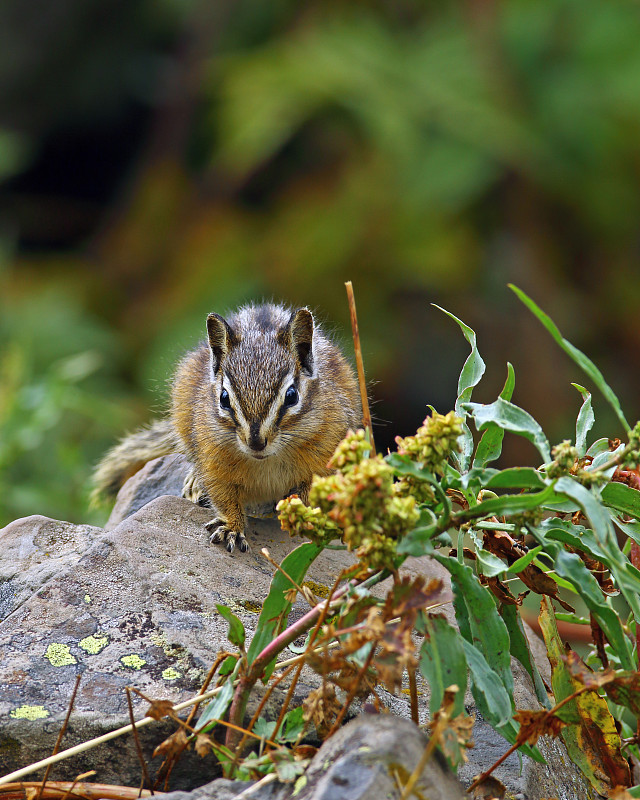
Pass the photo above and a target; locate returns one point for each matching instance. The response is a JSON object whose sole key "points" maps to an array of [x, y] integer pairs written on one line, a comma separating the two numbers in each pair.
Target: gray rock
{"points": [[162, 476], [136, 605], [369, 759]]}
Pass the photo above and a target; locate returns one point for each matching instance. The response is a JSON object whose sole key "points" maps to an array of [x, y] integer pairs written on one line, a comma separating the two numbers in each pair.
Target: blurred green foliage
{"points": [[162, 160]]}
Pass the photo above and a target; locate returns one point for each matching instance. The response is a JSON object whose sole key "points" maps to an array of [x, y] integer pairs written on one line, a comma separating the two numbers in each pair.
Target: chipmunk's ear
{"points": [[221, 340], [298, 336]]}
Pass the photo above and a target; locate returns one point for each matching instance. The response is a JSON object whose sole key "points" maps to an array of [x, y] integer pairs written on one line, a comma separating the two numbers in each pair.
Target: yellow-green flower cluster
{"points": [[362, 502], [358, 502], [351, 450], [433, 442], [565, 457], [303, 520]]}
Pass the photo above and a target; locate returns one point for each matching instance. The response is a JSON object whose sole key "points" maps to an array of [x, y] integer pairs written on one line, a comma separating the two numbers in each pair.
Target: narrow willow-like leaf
{"points": [[507, 504], [217, 708], [488, 631], [585, 364], [516, 478], [510, 418], [470, 375], [519, 645], [622, 497], [490, 445], [276, 608], [591, 506], [571, 567], [585, 420], [525, 560], [487, 688], [443, 662]]}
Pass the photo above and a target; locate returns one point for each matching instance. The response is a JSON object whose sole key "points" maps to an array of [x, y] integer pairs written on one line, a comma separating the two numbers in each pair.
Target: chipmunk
{"points": [[258, 409]]}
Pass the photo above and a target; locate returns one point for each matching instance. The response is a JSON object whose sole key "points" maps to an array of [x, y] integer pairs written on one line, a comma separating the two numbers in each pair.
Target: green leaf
{"points": [[525, 560], [585, 420], [490, 445], [276, 607], [236, 633], [587, 366], [622, 497], [516, 478], [217, 708], [293, 724], [489, 565], [474, 602], [442, 661], [470, 376], [487, 688], [591, 506], [571, 567], [507, 504], [511, 418], [520, 649]]}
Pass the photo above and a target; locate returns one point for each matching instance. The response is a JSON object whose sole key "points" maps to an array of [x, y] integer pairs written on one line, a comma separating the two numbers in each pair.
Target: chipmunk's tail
{"points": [[130, 455]]}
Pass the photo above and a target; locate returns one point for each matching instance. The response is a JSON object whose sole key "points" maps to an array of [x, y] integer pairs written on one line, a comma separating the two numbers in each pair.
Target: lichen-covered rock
{"points": [[136, 606]]}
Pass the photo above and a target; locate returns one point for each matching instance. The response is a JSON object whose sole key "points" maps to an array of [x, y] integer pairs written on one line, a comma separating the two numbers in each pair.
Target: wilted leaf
{"points": [[173, 745], [534, 724], [590, 736], [203, 745], [159, 709]]}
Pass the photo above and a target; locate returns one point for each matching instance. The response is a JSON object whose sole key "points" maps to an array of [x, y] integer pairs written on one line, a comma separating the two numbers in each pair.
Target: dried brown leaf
{"points": [[159, 709], [173, 745]]}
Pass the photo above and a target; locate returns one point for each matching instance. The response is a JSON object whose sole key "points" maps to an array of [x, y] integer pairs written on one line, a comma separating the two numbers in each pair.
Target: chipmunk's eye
{"points": [[224, 399], [291, 396]]}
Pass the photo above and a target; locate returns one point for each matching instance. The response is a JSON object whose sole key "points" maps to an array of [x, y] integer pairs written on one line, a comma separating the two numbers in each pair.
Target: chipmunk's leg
{"points": [[228, 525], [191, 490]]}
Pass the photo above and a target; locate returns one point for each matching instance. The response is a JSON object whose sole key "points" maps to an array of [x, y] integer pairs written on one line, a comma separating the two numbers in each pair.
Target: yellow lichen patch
{"points": [[59, 655], [29, 712], [87, 598], [319, 589], [171, 674], [93, 644], [251, 606], [133, 661]]}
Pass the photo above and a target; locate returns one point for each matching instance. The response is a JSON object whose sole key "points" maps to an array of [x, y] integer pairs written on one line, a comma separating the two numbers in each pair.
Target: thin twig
{"points": [[366, 414], [353, 691], [63, 730], [417, 772], [145, 772], [76, 780], [166, 768], [413, 693], [261, 705], [56, 790]]}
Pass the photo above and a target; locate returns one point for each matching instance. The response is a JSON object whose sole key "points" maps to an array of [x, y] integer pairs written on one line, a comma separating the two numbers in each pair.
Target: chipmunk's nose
{"points": [[256, 442]]}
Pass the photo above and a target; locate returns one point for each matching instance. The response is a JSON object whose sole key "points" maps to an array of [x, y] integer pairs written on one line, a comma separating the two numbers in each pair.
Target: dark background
{"points": [[160, 159]]}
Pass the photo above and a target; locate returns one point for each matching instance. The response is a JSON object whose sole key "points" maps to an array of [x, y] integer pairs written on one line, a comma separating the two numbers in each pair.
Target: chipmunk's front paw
{"points": [[221, 532], [192, 491]]}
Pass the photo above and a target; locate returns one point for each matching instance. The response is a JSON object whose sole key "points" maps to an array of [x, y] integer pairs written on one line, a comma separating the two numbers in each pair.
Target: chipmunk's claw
{"points": [[221, 532]]}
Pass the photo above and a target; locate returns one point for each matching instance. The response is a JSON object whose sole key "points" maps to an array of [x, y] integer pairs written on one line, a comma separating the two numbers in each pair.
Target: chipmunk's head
{"points": [[262, 376]]}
